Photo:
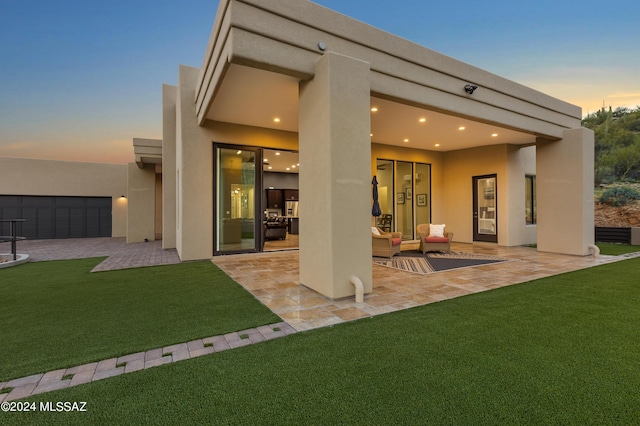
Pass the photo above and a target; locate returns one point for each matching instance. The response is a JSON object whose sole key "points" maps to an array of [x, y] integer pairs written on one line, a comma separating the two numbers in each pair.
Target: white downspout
{"points": [[359, 289], [595, 249]]}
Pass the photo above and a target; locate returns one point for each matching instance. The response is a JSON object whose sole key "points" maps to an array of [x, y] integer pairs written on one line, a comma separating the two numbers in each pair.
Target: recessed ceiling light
{"points": [[371, 135], [239, 152], [266, 160], [406, 140], [293, 167], [494, 135], [437, 145], [461, 128], [270, 169], [288, 168], [374, 109], [298, 164], [276, 120], [277, 153], [422, 120]]}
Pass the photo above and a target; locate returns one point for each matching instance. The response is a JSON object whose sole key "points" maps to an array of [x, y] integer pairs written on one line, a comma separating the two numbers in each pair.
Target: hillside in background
{"points": [[617, 144], [617, 162]]}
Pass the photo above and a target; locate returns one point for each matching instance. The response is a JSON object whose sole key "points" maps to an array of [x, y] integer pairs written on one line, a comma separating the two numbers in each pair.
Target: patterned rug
{"points": [[416, 262]]}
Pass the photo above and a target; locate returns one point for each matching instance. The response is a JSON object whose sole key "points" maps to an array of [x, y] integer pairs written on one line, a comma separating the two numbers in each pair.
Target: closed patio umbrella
{"points": [[375, 211]]}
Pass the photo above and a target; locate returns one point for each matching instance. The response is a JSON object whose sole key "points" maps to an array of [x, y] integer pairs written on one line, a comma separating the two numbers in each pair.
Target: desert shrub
{"points": [[619, 195]]}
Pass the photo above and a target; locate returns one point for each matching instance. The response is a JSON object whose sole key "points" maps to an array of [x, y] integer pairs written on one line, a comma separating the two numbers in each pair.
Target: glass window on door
{"points": [[235, 223]]}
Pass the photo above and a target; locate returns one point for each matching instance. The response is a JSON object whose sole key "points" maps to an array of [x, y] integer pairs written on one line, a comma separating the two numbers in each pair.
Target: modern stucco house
{"points": [[449, 143]]}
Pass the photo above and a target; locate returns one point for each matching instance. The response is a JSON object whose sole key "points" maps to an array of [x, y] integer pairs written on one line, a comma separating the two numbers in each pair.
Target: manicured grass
{"points": [[561, 350], [612, 249], [58, 314]]}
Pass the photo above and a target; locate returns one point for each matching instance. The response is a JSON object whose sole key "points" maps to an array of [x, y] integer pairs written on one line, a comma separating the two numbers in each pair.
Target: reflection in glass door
{"points": [[384, 169], [404, 199], [236, 181], [423, 193], [485, 213]]}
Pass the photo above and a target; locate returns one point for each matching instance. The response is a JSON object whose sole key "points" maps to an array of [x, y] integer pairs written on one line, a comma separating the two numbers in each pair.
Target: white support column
{"points": [[565, 193], [335, 177]]}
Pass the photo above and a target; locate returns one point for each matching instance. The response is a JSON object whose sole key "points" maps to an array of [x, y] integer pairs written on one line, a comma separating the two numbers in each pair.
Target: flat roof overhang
{"points": [[258, 54], [147, 151]]}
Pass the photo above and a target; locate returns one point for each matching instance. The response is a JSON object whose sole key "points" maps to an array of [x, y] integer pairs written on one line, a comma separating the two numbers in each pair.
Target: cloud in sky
{"points": [[86, 77]]}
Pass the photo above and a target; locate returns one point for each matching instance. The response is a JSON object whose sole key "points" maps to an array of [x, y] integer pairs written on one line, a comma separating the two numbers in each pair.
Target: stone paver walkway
{"points": [[120, 255], [74, 376]]}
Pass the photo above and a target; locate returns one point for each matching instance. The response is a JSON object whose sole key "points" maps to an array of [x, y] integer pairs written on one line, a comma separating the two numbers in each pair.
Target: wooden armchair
{"points": [[386, 244], [433, 243]]}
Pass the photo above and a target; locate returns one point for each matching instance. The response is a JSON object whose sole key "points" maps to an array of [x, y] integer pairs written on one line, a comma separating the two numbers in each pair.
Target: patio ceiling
{"points": [[259, 98]]}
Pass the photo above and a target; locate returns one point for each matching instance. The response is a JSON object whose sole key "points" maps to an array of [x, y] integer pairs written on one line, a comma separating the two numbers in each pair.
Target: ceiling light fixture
{"points": [[277, 153], [494, 135], [406, 140], [437, 145], [266, 160], [422, 120], [239, 152], [374, 109], [461, 128], [276, 120]]}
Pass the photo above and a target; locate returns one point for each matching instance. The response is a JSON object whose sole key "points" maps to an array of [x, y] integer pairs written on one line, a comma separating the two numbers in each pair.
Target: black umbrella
{"points": [[375, 211]]}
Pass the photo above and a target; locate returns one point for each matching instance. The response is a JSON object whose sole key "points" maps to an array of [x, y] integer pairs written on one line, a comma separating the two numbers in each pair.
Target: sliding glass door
{"points": [[236, 199], [404, 195]]}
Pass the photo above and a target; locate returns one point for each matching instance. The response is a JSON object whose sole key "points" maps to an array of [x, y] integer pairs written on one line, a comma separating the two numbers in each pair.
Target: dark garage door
{"points": [[57, 217]]}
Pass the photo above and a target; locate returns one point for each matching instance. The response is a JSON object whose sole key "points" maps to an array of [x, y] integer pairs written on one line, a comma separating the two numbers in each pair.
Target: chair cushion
{"points": [[436, 239], [436, 230], [396, 241]]}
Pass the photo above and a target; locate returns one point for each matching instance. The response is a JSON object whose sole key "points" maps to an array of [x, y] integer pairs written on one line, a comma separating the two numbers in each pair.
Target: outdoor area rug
{"points": [[416, 262]]}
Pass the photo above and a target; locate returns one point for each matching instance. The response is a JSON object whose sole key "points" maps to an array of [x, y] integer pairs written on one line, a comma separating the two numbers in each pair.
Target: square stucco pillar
{"points": [[565, 203], [335, 177], [141, 197]]}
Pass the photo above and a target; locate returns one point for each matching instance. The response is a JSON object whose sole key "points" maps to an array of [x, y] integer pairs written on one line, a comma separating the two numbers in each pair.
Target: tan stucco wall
{"points": [[335, 176], [194, 156], [25, 176], [565, 179], [520, 163], [252, 136], [192, 167], [142, 203], [283, 36], [169, 94]]}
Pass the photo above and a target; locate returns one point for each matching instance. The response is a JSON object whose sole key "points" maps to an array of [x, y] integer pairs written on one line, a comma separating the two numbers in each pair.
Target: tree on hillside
{"points": [[617, 144]]}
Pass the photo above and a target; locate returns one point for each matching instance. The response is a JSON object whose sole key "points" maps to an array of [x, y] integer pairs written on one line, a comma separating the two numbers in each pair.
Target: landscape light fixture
{"points": [[470, 88]]}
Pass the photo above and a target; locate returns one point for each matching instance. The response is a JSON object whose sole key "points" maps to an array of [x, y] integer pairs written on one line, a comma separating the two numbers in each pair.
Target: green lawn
{"points": [[560, 350], [58, 314], [612, 249]]}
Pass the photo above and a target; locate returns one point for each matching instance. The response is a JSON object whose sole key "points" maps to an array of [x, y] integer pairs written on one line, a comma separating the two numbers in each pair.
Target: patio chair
{"points": [[385, 244], [432, 240]]}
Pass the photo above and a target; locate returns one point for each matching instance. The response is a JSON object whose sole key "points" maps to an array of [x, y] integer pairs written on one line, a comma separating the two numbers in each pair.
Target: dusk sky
{"points": [[80, 79]]}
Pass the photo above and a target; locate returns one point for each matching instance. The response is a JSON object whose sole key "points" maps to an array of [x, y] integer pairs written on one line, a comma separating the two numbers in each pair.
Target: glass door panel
{"points": [[385, 194], [236, 229], [485, 226], [404, 199], [423, 193]]}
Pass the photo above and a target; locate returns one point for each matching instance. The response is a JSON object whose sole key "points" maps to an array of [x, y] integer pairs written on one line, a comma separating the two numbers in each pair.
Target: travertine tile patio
{"points": [[273, 278]]}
